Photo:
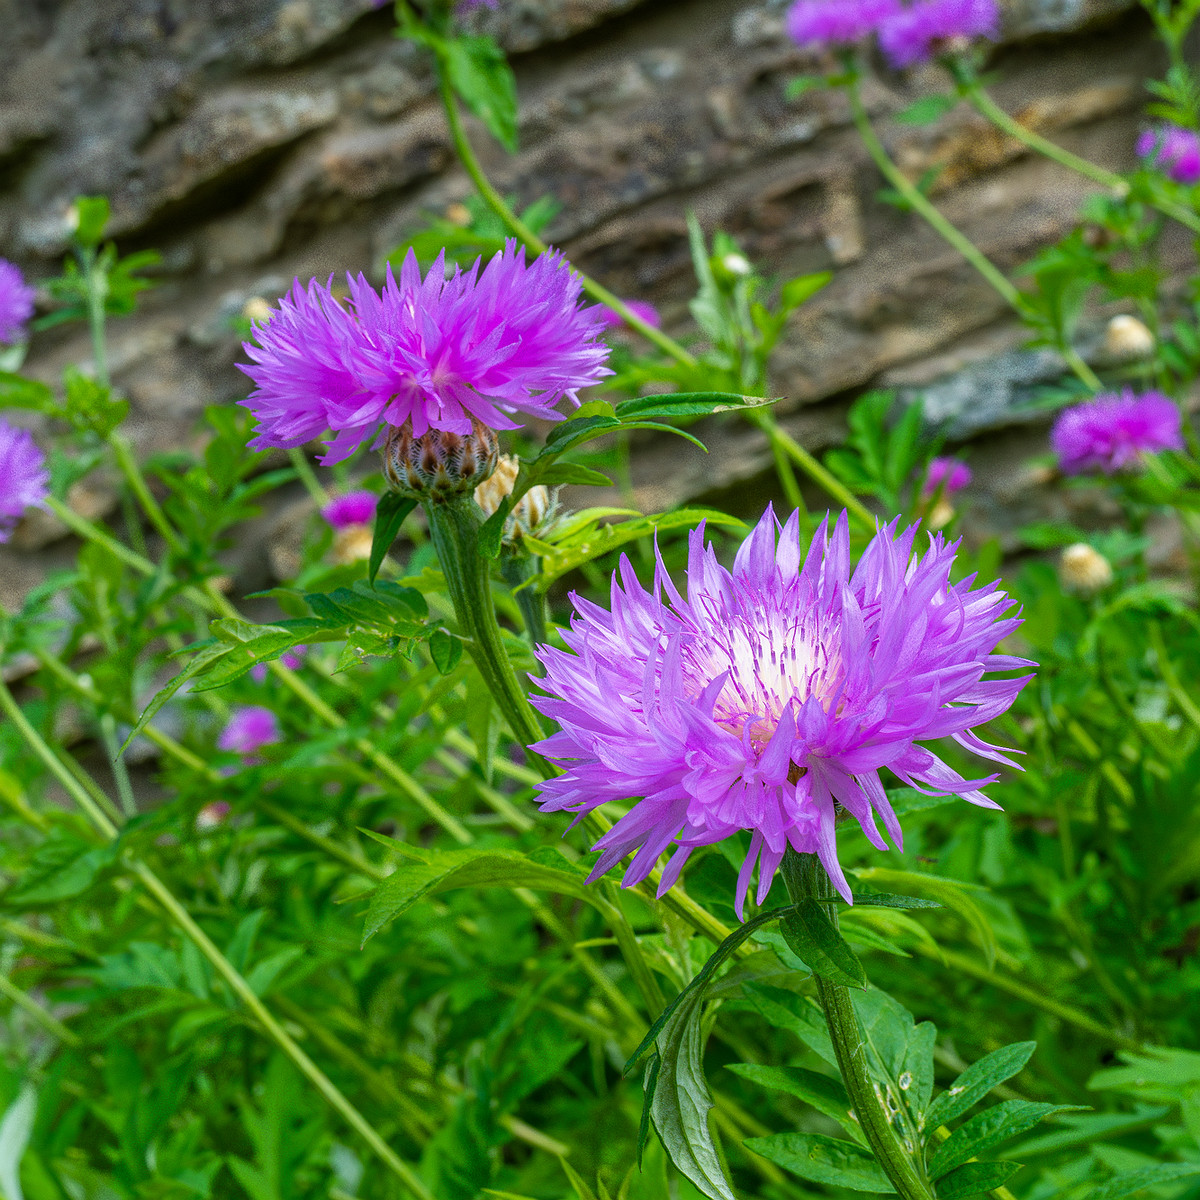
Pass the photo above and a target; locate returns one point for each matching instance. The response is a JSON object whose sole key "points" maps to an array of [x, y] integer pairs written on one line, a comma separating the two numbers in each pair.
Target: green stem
{"points": [[518, 567], [454, 528], [921, 204], [987, 107], [308, 477], [806, 878], [47, 1021], [127, 462], [97, 293], [183, 920]]}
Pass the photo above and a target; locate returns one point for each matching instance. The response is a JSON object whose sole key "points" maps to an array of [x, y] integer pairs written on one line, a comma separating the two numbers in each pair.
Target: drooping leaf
{"points": [[814, 940], [390, 514]]}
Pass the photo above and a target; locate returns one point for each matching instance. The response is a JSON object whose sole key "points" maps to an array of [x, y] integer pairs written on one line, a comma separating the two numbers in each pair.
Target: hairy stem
{"points": [[806, 878]]}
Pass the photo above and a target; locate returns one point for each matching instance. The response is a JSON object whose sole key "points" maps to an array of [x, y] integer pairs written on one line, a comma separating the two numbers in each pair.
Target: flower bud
{"points": [[257, 309], [530, 511], [941, 515], [1127, 338], [439, 464], [1084, 569], [351, 545]]}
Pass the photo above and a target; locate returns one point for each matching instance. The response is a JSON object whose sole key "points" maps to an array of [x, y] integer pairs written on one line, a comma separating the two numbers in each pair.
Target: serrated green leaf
{"points": [[974, 1178], [814, 940], [977, 1080], [823, 1159], [989, 1128]]}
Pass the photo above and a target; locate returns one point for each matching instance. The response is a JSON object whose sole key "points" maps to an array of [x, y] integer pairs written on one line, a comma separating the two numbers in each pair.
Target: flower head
{"points": [[24, 480], [1082, 568], [248, 730], [640, 308], [772, 695], [1112, 432], [354, 508], [16, 302], [949, 474], [431, 353], [293, 659], [1173, 150], [827, 23], [912, 35]]}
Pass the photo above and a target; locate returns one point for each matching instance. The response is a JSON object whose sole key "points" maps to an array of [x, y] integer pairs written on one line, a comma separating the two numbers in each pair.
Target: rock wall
{"points": [[254, 140]]}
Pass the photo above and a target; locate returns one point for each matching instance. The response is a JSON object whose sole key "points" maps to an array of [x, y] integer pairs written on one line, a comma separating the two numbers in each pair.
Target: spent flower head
{"points": [[827, 23], [1173, 150], [354, 508], [914, 34], [772, 696], [424, 353], [16, 302], [1114, 431], [24, 480]]}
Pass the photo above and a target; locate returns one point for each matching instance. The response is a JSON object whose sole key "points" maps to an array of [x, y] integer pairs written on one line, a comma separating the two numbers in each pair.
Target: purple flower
{"points": [[293, 659], [24, 480], [912, 35], [434, 352], [1174, 150], [1112, 432], [772, 696], [949, 474], [16, 302], [248, 730], [354, 508], [640, 308], [826, 23]]}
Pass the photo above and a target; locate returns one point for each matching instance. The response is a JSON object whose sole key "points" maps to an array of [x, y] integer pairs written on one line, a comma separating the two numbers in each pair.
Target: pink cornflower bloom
{"points": [[1112, 432], [432, 353], [914, 34], [354, 508], [825, 23], [248, 730], [24, 480], [640, 308], [1173, 150], [949, 474], [772, 696], [16, 302], [293, 659]]}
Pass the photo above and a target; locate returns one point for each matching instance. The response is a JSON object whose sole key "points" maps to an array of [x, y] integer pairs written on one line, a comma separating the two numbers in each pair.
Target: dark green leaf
{"points": [[974, 1178], [686, 404], [62, 866], [491, 532], [814, 940], [977, 1080], [445, 649], [389, 516], [825, 1094], [206, 657], [887, 900], [823, 1159], [988, 1129], [1129, 1182]]}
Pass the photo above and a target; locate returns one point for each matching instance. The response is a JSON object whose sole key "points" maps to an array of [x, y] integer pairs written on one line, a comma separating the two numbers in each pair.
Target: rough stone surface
{"points": [[254, 140]]}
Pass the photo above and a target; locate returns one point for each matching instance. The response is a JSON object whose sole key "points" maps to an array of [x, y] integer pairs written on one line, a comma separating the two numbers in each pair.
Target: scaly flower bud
{"points": [[439, 464], [529, 513], [1083, 569]]}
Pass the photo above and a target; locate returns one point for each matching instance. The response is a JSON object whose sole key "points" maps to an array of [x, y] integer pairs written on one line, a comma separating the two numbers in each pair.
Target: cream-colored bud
{"points": [[532, 508], [941, 516], [458, 214], [351, 544], [500, 483], [1126, 337], [257, 309], [1084, 569], [737, 264]]}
